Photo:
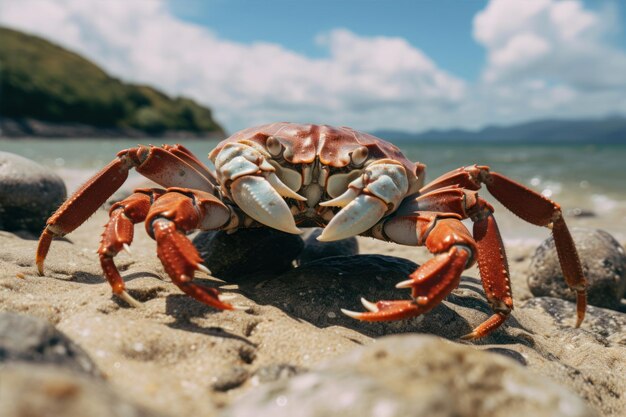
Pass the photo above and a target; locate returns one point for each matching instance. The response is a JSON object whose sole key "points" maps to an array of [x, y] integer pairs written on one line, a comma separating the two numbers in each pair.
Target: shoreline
{"points": [[18, 129]]}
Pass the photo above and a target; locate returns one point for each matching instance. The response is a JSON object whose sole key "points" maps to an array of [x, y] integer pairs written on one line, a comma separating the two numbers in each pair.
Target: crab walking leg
{"points": [[118, 235], [454, 250], [157, 164], [531, 207], [188, 156], [171, 217]]}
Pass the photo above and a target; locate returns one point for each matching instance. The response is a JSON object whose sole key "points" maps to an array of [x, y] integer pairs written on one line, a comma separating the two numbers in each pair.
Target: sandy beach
{"points": [[180, 357]]}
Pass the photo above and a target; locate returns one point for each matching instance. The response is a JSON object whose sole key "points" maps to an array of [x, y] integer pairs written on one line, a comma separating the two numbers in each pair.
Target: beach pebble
{"points": [[413, 375], [314, 249], [275, 372], [247, 251], [604, 323], [29, 193], [604, 265], [29, 339], [46, 391]]}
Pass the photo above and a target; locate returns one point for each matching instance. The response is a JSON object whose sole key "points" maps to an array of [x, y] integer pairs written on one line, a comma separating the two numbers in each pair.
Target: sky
{"points": [[369, 64]]}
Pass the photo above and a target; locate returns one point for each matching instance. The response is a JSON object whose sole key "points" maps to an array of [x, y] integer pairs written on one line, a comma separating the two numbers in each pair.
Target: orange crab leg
{"points": [[118, 235], [494, 273], [154, 163], [76, 209], [176, 213], [186, 155], [531, 207]]}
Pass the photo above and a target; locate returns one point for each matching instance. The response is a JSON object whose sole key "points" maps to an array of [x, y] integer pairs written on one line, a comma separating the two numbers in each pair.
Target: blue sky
{"points": [[442, 29], [370, 64]]}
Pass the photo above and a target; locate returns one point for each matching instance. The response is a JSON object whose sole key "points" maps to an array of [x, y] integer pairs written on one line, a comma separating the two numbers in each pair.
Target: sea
{"points": [[587, 180]]}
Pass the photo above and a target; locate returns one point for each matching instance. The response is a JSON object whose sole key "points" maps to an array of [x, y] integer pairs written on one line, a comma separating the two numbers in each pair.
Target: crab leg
{"points": [[118, 235], [531, 207], [171, 217], [157, 164], [454, 248]]}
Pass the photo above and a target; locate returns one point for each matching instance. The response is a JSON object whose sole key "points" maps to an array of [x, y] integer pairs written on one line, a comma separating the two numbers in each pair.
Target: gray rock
{"points": [[29, 193], [314, 249], [28, 339], [247, 251], [602, 323], [604, 265], [49, 391], [317, 291], [413, 376]]}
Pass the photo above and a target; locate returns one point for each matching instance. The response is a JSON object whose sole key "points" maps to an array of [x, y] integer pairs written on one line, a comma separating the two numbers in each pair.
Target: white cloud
{"points": [[556, 40], [545, 58], [362, 79]]}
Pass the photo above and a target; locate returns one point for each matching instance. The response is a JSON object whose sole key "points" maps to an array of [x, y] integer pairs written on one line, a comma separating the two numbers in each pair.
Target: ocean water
{"points": [[584, 179]]}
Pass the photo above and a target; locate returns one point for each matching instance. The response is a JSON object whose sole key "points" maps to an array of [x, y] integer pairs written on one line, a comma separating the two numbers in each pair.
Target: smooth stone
{"points": [[604, 266], [29, 339], [35, 390], [247, 251], [601, 322], [318, 290], [314, 249], [29, 193], [413, 375]]}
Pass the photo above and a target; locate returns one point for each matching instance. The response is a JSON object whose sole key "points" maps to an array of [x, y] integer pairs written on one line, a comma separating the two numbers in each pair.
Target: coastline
{"points": [[26, 128]]}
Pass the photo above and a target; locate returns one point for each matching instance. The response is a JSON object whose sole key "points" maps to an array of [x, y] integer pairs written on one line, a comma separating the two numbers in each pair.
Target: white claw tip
{"points": [[129, 299], [369, 305], [127, 249], [405, 284], [204, 269], [241, 307], [352, 314]]}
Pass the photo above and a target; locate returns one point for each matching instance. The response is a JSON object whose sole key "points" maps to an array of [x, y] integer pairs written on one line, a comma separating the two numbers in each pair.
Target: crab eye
{"points": [[359, 155], [273, 146]]}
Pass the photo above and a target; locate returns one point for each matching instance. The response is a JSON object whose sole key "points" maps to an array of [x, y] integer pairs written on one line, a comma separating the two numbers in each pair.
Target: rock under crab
{"points": [[287, 176]]}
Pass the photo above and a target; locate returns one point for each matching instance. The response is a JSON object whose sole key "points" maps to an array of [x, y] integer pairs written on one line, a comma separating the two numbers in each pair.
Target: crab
{"points": [[286, 176]]}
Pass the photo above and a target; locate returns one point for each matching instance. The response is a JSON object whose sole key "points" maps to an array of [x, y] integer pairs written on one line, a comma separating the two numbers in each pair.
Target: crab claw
{"points": [[358, 216], [386, 310], [379, 190], [259, 200]]}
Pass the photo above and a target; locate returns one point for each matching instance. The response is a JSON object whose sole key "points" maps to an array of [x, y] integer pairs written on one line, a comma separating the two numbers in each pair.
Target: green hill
{"points": [[42, 81]]}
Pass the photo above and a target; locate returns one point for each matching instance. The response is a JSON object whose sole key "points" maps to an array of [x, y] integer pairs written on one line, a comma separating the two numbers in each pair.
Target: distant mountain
{"points": [[46, 90], [608, 130]]}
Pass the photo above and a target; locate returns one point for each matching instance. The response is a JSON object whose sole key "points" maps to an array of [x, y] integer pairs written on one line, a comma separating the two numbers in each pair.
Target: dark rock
{"points": [[29, 339], [29, 193], [413, 376], [604, 265], [247, 251], [49, 391], [316, 292], [314, 249]]}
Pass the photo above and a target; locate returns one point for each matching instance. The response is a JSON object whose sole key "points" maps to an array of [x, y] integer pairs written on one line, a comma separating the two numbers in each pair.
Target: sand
{"points": [[174, 354]]}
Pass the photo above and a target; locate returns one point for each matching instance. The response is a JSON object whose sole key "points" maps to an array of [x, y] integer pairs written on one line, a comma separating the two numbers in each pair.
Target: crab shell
{"points": [[339, 161]]}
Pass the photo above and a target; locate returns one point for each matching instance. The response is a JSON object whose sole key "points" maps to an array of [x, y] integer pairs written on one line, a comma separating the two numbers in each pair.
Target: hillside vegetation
{"points": [[43, 81]]}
